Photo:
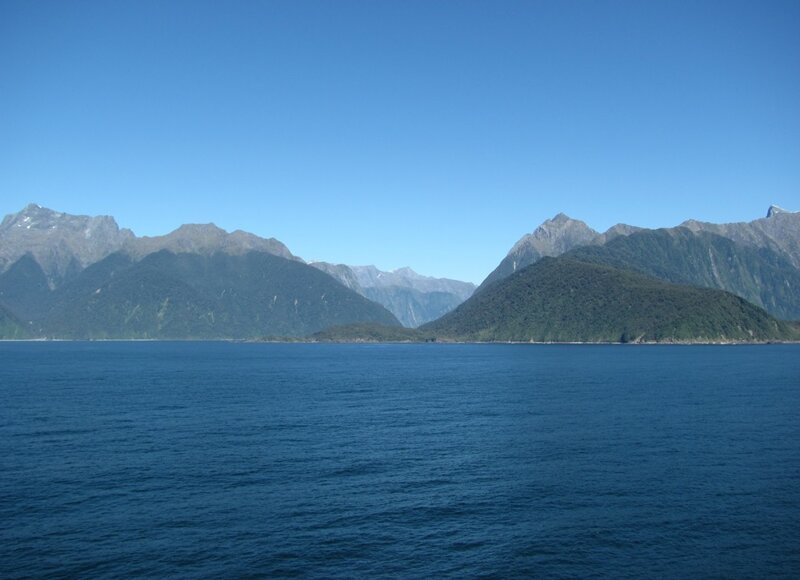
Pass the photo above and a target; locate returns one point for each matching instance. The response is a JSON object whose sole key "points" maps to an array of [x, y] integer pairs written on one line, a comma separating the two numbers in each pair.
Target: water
{"points": [[217, 459]]}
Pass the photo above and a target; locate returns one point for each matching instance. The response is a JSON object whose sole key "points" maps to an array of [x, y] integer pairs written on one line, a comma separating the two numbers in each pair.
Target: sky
{"points": [[430, 134]]}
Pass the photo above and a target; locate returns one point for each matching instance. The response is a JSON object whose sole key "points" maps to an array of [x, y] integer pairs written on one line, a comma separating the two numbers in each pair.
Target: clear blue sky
{"points": [[421, 133]]}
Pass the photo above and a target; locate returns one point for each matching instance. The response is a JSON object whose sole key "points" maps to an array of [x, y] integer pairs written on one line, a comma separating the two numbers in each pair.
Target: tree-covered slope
{"points": [[760, 275], [10, 326], [566, 300], [24, 289], [168, 295], [369, 333]]}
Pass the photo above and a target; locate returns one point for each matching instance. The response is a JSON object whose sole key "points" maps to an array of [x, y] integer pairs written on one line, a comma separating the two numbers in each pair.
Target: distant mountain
{"points": [[372, 277], [344, 274], [552, 238], [201, 296], [566, 300], [414, 299]]}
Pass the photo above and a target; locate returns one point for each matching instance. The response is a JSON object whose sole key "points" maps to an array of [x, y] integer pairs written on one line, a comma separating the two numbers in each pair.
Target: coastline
{"points": [[304, 340]]}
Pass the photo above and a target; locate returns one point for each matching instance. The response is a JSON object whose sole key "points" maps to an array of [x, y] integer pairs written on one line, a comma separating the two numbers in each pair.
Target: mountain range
{"points": [[51, 263], [567, 300], [757, 260], [66, 276], [412, 298]]}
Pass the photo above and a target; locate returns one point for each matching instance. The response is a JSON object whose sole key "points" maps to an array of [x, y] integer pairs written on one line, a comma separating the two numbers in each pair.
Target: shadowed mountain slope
{"points": [[168, 295]]}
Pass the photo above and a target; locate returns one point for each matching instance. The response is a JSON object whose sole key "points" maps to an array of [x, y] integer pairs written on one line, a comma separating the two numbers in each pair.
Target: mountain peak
{"points": [[775, 210], [208, 229], [61, 243], [32, 216], [555, 236], [407, 272], [552, 238], [209, 238], [32, 208]]}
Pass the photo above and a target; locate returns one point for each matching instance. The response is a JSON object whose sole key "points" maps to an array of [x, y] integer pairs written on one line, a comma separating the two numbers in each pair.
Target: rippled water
{"points": [[218, 459]]}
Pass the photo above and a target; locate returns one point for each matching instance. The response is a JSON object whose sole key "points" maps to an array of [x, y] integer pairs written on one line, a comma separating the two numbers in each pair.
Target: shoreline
{"points": [[409, 342]]}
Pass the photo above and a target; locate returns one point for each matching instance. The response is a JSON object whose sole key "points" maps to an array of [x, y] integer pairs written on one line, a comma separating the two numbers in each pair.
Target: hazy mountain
{"points": [[372, 277], [565, 300], [552, 238], [61, 244], [344, 274], [414, 299], [191, 295]]}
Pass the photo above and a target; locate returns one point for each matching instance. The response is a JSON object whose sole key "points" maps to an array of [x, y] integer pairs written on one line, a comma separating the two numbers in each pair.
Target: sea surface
{"points": [[211, 460]]}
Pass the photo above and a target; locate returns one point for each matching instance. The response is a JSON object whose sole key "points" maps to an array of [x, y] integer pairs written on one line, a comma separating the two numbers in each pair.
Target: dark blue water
{"points": [[215, 459]]}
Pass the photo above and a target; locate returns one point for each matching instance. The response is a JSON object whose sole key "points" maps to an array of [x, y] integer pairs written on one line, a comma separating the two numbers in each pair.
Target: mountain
{"points": [[779, 231], [25, 289], [62, 244], [206, 239], [757, 260], [775, 209], [344, 274], [414, 299], [566, 300], [552, 238], [191, 295], [758, 274]]}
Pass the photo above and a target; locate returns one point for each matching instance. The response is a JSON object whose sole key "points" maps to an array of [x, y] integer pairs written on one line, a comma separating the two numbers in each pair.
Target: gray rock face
{"points": [[414, 299], [615, 232], [553, 238], [780, 232], [371, 277], [62, 244], [775, 209], [344, 274], [206, 239], [757, 260]]}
